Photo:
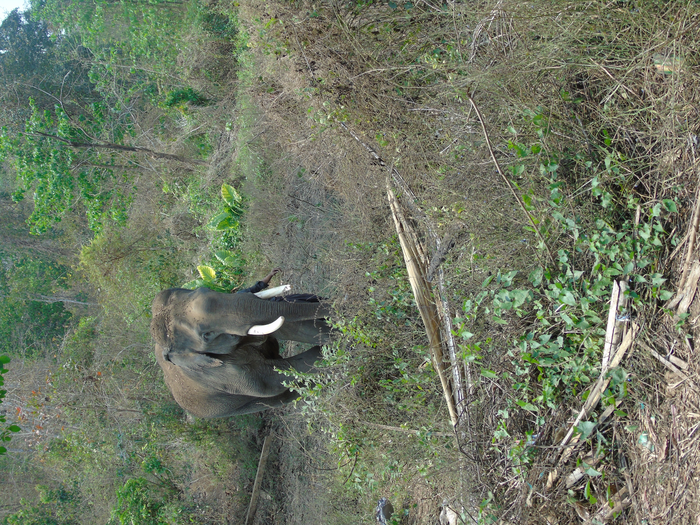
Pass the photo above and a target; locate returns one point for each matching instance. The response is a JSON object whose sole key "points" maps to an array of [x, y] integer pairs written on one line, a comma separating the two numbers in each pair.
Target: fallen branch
{"points": [[415, 260], [611, 508], [405, 430], [120, 147], [252, 507], [668, 363], [691, 242], [687, 289], [508, 183], [613, 332], [443, 308]]}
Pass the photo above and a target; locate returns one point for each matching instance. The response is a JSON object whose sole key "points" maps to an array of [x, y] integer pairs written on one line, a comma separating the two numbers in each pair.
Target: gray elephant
{"points": [[219, 351]]}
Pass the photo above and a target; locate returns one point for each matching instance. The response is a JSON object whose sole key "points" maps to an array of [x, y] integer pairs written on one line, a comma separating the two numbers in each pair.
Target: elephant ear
{"points": [[193, 361]]}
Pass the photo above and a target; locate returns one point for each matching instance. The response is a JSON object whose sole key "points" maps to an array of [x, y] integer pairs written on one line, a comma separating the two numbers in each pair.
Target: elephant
{"points": [[219, 351]]}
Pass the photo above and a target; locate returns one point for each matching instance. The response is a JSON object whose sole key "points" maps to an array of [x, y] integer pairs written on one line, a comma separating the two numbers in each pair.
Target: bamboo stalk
{"points": [[422, 294]]}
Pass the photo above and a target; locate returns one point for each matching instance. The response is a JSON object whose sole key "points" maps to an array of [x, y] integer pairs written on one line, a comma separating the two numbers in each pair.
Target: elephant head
{"points": [[211, 322], [219, 351]]}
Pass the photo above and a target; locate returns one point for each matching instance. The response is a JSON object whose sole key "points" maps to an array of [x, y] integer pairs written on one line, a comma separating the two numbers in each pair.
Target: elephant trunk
{"points": [[292, 312]]}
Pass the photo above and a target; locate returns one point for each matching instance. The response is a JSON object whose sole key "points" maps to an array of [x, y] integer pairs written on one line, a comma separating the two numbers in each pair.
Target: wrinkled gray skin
{"points": [[213, 367]]}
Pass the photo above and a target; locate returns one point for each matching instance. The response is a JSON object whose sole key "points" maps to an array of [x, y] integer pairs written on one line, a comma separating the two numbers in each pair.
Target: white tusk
{"points": [[264, 329], [274, 292]]}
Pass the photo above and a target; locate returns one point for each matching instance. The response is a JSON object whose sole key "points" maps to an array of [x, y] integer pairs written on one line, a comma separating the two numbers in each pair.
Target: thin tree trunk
{"points": [[44, 299], [120, 147]]}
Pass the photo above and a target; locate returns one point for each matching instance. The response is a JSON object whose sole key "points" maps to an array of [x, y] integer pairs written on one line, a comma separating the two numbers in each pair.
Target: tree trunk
{"points": [[120, 147]]}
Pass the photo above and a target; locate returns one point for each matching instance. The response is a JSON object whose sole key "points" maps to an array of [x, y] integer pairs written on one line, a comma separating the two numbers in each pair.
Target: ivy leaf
{"points": [[591, 471], [535, 277], [527, 406], [567, 298]]}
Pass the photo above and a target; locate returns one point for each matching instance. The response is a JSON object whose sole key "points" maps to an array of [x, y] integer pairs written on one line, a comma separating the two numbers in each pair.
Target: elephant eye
{"points": [[207, 336]]}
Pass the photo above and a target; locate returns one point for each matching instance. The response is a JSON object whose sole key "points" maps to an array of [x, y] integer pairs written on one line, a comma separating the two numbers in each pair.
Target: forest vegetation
{"points": [[547, 154]]}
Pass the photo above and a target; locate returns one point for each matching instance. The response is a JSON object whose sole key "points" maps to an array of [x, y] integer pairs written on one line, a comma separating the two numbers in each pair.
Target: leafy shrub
{"points": [[185, 95], [140, 502], [226, 269], [79, 346]]}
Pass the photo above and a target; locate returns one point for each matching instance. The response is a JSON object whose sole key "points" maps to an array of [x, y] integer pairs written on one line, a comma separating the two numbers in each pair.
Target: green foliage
{"points": [[130, 267], [30, 319], [564, 302], [79, 346], [61, 176], [226, 269], [58, 506], [183, 96], [5, 430], [219, 25], [133, 44], [382, 371], [142, 502]]}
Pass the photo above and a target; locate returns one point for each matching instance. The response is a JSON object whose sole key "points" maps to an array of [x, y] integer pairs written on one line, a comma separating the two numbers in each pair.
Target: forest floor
{"points": [[325, 93]]}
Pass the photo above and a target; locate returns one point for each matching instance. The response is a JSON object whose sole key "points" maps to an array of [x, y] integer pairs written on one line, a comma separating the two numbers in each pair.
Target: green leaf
{"points": [[535, 276], [216, 220], [670, 205], [207, 272], [193, 285], [585, 428], [228, 223], [13, 428], [4, 359], [665, 295], [657, 279], [488, 373], [592, 472], [567, 298], [527, 406], [222, 255], [230, 195]]}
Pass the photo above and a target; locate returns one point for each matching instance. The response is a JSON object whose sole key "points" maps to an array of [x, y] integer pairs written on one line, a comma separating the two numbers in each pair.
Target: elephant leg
{"points": [[265, 380], [313, 331], [222, 405], [304, 362]]}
